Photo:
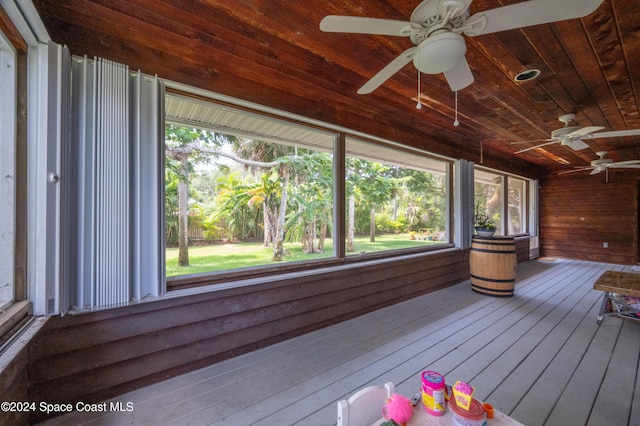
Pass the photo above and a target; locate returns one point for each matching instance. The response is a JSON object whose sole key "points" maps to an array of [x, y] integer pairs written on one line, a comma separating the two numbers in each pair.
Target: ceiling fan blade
{"points": [[532, 141], [577, 169], [528, 13], [633, 164], [537, 146], [596, 171], [459, 76], [363, 25], [616, 133], [577, 144], [383, 75], [584, 131]]}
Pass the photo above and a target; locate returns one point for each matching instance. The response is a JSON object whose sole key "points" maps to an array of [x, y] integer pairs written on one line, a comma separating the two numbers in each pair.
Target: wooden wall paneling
{"points": [[274, 54], [14, 386], [223, 60], [94, 356], [522, 249], [579, 212]]}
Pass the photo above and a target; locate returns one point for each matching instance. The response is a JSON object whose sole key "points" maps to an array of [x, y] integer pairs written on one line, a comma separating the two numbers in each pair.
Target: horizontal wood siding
{"points": [[522, 249], [94, 356], [579, 212], [14, 386]]}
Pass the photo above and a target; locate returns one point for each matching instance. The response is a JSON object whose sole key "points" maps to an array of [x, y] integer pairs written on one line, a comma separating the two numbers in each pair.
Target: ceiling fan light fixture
{"points": [[439, 53], [527, 75]]}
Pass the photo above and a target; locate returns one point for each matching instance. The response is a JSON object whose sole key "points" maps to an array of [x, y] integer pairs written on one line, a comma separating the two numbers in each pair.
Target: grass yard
{"points": [[220, 257]]}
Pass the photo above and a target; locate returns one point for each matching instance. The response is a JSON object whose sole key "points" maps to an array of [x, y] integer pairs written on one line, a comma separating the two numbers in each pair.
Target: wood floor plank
{"points": [[635, 405], [521, 340], [576, 400], [615, 395], [409, 357], [497, 329], [520, 380], [539, 401], [367, 341], [355, 373], [539, 356]]}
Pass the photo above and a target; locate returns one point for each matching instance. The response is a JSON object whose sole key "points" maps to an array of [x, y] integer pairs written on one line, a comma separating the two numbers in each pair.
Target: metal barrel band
{"points": [[495, 243], [493, 280], [491, 291], [493, 251]]}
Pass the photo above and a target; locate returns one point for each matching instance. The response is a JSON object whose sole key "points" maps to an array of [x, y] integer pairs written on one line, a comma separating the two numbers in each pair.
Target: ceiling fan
{"points": [[602, 164], [435, 27], [572, 136]]}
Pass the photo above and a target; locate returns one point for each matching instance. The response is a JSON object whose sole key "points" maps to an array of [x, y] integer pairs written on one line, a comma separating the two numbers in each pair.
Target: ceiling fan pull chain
{"points": [[456, 122], [419, 106]]}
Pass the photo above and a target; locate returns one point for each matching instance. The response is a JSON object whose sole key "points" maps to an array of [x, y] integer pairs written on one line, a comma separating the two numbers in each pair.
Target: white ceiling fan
{"points": [[602, 164], [435, 27], [572, 136]]}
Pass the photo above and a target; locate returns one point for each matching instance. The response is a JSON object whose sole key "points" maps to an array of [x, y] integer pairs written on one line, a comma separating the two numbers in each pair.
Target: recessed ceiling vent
{"points": [[527, 75]]}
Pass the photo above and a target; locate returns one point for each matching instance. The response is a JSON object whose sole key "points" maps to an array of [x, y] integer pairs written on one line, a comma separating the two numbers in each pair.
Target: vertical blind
{"points": [[114, 194]]}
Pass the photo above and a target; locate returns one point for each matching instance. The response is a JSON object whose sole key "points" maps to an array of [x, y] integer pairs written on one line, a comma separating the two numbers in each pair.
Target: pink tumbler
{"points": [[433, 390]]}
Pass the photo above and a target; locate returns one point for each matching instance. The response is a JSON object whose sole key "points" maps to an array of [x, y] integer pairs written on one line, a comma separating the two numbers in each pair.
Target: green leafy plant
{"points": [[482, 220]]}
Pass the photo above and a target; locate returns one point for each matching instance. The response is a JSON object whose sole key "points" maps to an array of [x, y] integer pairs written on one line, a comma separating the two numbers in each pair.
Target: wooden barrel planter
{"points": [[492, 264]]}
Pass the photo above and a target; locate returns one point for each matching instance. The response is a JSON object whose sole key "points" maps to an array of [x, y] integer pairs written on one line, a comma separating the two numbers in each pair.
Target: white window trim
{"points": [[8, 120]]}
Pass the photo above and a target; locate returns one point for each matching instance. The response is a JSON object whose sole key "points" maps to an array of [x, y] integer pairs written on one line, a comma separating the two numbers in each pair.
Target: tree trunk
{"points": [[183, 212], [395, 206], [322, 237], [313, 235], [266, 219], [372, 226], [351, 227], [278, 247], [306, 247]]}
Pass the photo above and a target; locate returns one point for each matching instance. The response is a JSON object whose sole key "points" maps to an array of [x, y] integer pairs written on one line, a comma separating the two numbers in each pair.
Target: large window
{"points": [[245, 190], [394, 199], [504, 199], [488, 197], [517, 202]]}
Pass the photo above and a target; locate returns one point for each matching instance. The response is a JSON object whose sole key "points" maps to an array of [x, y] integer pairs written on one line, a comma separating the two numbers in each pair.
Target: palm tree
{"points": [[313, 196], [274, 215]]}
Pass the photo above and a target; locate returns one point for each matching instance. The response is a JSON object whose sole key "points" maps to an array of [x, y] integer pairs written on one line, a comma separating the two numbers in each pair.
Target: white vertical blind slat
{"points": [[118, 163]]}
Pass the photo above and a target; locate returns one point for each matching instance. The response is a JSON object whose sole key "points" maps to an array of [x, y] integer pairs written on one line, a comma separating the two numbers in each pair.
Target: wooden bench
{"points": [[619, 288]]}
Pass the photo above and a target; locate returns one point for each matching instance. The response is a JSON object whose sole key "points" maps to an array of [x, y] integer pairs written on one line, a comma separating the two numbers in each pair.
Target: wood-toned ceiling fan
{"points": [[435, 27], [602, 164], [573, 136]]}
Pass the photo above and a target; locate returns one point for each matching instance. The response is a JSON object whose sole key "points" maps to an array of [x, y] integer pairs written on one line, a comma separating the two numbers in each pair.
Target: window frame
{"points": [[18, 312], [407, 159], [504, 212], [340, 257]]}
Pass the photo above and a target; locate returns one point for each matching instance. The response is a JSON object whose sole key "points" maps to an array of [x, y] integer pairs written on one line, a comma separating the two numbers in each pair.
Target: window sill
{"points": [[12, 318], [206, 279]]}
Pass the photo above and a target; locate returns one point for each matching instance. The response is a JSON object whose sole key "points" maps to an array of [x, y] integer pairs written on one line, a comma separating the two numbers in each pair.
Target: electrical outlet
{"points": [[605, 245]]}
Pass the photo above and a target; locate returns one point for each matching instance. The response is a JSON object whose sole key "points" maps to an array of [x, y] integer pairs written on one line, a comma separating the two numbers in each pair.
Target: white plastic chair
{"points": [[364, 407]]}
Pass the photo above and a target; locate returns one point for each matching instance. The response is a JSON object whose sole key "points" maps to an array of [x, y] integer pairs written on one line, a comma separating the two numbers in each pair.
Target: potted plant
{"points": [[484, 225]]}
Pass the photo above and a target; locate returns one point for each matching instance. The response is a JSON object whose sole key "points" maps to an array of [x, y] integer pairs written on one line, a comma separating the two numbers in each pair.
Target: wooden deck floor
{"points": [[538, 356]]}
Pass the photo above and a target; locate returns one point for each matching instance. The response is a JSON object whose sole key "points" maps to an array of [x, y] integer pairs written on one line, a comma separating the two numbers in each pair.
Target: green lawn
{"points": [[219, 257]]}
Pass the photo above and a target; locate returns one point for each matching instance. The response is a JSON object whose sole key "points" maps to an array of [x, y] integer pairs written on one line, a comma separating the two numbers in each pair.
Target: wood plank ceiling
{"points": [[272, 52]]}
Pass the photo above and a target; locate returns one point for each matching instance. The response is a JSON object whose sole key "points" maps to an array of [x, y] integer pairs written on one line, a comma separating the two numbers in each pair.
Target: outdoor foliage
{"points": [[244, 190]]}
